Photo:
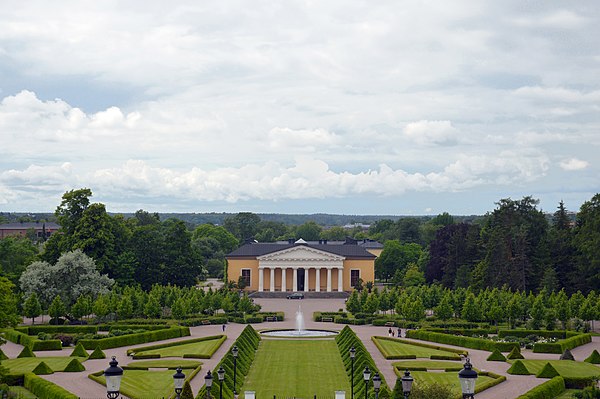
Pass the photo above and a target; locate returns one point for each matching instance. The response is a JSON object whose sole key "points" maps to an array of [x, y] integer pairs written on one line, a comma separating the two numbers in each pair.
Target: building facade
{"points": [[301, 266], [22, 229]]}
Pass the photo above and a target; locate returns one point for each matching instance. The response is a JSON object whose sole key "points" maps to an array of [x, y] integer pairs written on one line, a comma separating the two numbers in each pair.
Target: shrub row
{"points": [[44, 389], [247, 344], [199, 321], [397, 323], [33, 343], [579, 382], [318, 316], [497, 379], [347, 339], [47, 329], [562, 345], [220, 338], [148, 327], [423, 345], [466, 342], [468, 332], [134, 339], [539, 333], [356, 322], [549, 389]]}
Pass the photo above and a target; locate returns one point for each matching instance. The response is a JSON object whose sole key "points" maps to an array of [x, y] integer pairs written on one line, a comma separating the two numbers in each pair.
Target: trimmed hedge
{"points": [[579, 382], [540, 333], [318, 316], [515, 353], [42, 369], [79, 351], [35, 344], [496, 356], [74, 366], [567, 355], [497, 379], [221, 339], [2, 355], [518, 368], [200, 321], [548, 371], [467, 332], [549, 389], [593, 358], [467, 342], [47, 329], [44, 389], [26, 352], [97, 354], [134, 339], [563, 344]]}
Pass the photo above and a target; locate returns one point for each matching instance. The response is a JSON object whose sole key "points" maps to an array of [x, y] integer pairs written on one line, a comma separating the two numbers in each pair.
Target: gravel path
{"points": [[85, 388]]}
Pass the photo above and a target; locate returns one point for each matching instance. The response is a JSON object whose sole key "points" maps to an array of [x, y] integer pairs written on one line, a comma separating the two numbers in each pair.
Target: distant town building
{"points": [[22, 229], [300, 266]]}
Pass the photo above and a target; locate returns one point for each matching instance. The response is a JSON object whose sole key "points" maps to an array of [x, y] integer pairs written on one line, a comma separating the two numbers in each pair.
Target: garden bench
{"points": [[205, 322], [327, 319], [389, 324], [271, 318]]}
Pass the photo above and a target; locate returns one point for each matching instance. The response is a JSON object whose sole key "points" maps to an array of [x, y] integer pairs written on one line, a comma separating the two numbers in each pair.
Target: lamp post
{"points": [[234, 352], [178, 380], [376, 384], [113, 375], [367, 377], [208, 378], [467, 377], [407, 382], [352, 355], [221, 374]]}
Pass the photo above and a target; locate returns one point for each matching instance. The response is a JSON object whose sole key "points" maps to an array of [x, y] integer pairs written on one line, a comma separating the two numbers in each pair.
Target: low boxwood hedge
{"points": [[35, 344], [549, 389], [44, 389], [563, 344], [457, 340], [134, 339], [220, 338]]}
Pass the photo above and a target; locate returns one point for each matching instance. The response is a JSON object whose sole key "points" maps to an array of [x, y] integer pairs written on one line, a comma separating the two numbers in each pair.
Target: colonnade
{"points": [[295, 283]]}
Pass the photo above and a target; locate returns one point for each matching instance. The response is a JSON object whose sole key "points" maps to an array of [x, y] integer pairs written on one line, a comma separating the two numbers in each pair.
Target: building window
{"points": [[354, 276], [246, 276]]}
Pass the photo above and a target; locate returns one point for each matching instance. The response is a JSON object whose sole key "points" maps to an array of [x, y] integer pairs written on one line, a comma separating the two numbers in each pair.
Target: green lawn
{"points": [[565, 368], [567, 394], [297, 368], [166, 363], [390, 348], [206, 348], [142, 384], [27, 364], [449, 378], [429, 364], [21, 393]]}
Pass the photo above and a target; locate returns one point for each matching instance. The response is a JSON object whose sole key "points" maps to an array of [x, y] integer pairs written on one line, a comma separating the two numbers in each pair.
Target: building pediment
{"points": [[300, 253]]}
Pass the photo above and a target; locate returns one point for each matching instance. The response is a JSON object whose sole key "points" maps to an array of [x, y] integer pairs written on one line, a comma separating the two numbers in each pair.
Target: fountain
{"points": [[300, 331]]}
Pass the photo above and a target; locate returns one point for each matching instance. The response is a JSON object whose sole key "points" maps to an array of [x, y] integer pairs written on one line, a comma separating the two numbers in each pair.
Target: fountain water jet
{"points": [[299, 321], [300, 331]]}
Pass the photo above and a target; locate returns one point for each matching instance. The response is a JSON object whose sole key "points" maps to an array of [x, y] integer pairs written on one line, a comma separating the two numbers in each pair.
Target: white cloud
{"points": [[301, 139], [431, 132], [574, 164]]}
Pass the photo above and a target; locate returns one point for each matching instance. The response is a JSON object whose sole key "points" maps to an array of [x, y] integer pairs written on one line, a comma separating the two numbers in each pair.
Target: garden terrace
{"points": [[394, 348], [27, 364], [566, 368], [199, 348]]}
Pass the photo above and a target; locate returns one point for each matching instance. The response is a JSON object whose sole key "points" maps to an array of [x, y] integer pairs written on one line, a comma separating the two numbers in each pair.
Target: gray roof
{"points": [[258, 249], [29, 225]]}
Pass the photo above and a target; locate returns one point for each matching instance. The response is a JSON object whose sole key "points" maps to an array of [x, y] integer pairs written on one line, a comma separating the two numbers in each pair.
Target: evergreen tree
{"points": [[353, 304]]}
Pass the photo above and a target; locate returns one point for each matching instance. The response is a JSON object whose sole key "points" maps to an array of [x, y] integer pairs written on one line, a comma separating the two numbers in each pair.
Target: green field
{"points": [[391, 348], [142, 384], [27, 364], [443, 378], [297, 368], [428, 364], [565, 368], [165, 363], [204, 348]]}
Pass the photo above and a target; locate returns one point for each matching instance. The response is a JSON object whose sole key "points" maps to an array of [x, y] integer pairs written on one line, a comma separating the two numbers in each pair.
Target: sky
{"points": [[347, 107]]}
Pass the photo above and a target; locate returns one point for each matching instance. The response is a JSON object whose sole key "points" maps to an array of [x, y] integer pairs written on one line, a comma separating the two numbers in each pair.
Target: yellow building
{"points": [[302, 266]]}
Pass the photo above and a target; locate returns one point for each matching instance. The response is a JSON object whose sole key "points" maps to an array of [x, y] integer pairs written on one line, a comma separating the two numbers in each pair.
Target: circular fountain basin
{"points": [[299, 333]]}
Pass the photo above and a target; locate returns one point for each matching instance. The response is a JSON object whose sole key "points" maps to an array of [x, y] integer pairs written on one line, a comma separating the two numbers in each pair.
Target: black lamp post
{"points": [[467, 377], [178, 380], [221, 374], [367, 377], [234, 352], [407, 382], [352, 355], [208, 378], [376, 384], [113, 375]]}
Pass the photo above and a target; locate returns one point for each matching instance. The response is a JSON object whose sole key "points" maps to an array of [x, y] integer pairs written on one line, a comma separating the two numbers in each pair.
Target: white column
{"points": [[306, 270], [317, 279], [295, 280], [328, 279], [340, 279], [283, 279], [260, 280], [272, 282]]}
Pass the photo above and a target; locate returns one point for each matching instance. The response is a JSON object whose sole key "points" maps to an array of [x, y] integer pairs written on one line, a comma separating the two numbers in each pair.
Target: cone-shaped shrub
{"points": [[567, 355], [593, 358], [42, 369], [74, 366], [97, 354], [26, 352], [187, 392], [3, 355], [496, 356], [515, 353], [79, 351], [548, 371], [518, 368]]}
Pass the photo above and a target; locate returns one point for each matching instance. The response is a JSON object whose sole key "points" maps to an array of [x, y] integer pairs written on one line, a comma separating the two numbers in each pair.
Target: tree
{"points": [[334, 233], [8, 304], [415, 311], [57, 308], [226, 241], [15, 254], [353, 304], [71, 209], [178, 310], [309, 231], [125, 307], [549, 280], [396, 256], [538, 312], [413, 277], [470, 310], [444, 309], [586, 240], [152, 308], [371, 304], [244, 225], [32, 307]]}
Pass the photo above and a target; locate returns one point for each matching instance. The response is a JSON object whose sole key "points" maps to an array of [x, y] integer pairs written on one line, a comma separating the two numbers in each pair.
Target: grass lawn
{"points": [[166, 363], [297, 368], [449, 378], [141, 384], [21, 393], [429, 364], [27, 364], [567, 394], [565, 368], [396, 348], [197, 348]]}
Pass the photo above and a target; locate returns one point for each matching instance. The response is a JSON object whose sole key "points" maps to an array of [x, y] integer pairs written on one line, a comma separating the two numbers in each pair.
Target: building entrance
{"points": [[300, 279]]}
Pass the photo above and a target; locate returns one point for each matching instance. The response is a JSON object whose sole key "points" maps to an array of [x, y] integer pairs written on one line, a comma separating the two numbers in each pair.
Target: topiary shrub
{"points": [[4, 357], [79, 351], [548, 371], [567, 355], [42, 369], [26, 352], [97, 354], [594, 358], [187, 392], [518, 368], [514, 354], [496, 356], [74, 366]]}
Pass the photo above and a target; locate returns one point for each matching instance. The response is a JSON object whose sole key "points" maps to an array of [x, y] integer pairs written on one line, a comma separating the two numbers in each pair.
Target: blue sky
{"points": [[356, 107]]}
